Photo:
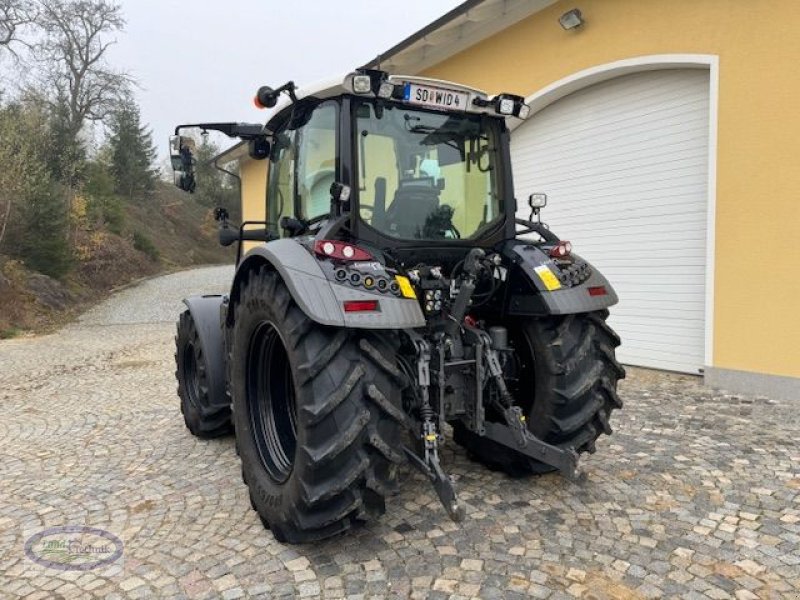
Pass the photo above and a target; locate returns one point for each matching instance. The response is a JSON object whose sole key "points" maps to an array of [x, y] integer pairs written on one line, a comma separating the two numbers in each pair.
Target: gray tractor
{"points": [[392, 291]]}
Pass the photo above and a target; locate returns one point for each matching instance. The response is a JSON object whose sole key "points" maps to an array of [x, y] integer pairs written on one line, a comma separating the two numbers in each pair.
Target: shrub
{"points": [[43, 243], [144, 244], [103, 203]]}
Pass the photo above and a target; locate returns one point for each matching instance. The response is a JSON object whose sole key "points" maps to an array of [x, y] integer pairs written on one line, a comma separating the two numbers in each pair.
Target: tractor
{"points": [[390, 297]]}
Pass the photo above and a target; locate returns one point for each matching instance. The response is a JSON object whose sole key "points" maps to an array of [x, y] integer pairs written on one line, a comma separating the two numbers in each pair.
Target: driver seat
{"points": [[414, 201]]}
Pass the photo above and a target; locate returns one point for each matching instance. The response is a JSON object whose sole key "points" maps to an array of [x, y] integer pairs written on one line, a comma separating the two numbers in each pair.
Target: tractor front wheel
{"points": [[316, 409], [203, 417]]}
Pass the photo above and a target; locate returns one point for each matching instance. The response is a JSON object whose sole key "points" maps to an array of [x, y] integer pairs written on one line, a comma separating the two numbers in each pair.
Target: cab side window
{"points": [[316, 161], [281, 189], [303, 166]]}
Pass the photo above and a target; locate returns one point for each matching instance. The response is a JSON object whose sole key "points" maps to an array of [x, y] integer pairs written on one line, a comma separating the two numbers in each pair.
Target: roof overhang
{"points": [[466, 25], [462, 27], [235, 152]]}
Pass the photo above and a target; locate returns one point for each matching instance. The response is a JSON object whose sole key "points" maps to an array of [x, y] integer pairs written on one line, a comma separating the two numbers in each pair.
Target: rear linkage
{"points": [[488, 370]]}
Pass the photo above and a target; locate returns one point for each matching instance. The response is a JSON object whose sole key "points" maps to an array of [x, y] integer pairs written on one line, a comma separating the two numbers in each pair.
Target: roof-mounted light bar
{"points": [[379, 84]]}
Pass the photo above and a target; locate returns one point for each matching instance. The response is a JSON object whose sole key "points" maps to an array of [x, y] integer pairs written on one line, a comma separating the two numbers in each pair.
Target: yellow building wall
{"points": [[253, 174], [757, 277]]}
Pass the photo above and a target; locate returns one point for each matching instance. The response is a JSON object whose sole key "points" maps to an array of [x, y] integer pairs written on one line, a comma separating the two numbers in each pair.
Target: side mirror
{"points": [[181, 155]]}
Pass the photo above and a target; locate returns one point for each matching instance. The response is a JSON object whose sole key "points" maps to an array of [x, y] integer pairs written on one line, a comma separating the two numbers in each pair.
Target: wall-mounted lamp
{"points": [[571, 19]]}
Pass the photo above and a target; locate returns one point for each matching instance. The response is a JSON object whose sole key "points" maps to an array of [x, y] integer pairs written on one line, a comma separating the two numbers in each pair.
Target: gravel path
{"points": [[696, 495]]}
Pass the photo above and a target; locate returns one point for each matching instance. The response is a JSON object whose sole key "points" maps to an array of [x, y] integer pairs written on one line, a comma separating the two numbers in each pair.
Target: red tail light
{"points": [[561, 249], [598, 290], [361, 305], [340, 250]]}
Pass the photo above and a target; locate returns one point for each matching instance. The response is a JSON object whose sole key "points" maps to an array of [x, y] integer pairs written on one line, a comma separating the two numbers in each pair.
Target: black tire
{"points": [[202, 416], [316, 409], [567, 388]]}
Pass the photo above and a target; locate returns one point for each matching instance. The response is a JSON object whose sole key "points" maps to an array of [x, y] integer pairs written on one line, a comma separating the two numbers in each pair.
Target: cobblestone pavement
{"points": [[696, 495]]}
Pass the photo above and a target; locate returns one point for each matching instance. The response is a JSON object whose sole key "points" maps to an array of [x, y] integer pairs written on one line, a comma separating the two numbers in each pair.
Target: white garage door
{"points": [[624, 164]]}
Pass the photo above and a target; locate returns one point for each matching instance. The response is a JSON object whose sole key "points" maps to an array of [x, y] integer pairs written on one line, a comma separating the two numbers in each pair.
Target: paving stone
{"points": [[130, 583], [472, 564], [445, 585]]}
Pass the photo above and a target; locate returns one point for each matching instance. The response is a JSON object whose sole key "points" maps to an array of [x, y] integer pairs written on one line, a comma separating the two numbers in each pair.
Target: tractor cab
{"points": [[421, 161]]}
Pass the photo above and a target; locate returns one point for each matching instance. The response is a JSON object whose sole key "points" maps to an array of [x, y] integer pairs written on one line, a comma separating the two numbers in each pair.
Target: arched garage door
{"points": [[624, 164]]}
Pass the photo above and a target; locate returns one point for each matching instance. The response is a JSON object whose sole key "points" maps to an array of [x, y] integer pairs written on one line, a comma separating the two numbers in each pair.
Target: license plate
{"points": [[435, 97]]}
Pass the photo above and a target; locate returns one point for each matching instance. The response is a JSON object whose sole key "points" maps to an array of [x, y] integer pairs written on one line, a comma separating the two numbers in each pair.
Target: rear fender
{"points": [[206, 311], [537, 299], [318, 297]]}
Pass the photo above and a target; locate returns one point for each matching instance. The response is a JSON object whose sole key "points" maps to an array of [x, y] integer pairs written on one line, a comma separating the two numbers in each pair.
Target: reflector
{"points": [[598, 290], [360, 305]]}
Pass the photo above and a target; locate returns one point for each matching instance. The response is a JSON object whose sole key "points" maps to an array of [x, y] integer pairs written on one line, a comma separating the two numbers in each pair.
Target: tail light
{"points": [[561, 249], [598, 290], [361, 306], [340, 250]]}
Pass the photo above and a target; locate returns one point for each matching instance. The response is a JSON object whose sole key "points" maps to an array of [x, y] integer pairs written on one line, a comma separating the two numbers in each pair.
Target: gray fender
{"points": [[563, 301], [205, 311], [320, 299]]}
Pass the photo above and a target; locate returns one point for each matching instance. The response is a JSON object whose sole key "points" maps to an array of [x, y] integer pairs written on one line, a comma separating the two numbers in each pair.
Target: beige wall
{"points": [[254, 190], [757, 277]]}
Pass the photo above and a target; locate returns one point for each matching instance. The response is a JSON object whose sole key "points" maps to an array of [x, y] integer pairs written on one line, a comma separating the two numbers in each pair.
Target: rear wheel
{"points": [[566, 383], [316, 408], [202, 417]]}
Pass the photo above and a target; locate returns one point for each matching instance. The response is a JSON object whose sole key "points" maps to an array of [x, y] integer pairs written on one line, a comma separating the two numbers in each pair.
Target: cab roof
{"points": [[338, 86]]}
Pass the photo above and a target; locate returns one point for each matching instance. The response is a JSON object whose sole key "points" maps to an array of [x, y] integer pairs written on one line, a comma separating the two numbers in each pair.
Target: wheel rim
{"points": [[524, 388], [271, 402], [191, 375]]}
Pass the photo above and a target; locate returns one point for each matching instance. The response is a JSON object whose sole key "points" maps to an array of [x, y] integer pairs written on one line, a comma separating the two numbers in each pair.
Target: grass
{"points": [[9, 333]]}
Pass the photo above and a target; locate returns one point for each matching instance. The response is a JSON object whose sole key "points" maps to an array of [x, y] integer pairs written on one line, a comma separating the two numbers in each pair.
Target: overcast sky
{"points": [[202, 60]]}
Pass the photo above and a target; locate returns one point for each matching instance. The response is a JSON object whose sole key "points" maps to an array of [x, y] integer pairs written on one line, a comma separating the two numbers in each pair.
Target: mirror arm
{"points": [[245, 131], [289, 87]]}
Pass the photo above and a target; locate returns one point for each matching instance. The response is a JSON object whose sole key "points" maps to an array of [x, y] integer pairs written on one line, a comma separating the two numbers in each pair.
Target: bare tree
{"points": [[15, 15], [77, 35]]}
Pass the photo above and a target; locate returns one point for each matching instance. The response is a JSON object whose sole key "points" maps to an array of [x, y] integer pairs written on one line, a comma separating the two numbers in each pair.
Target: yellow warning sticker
{"points": [[548, 278], [405, 287]]}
